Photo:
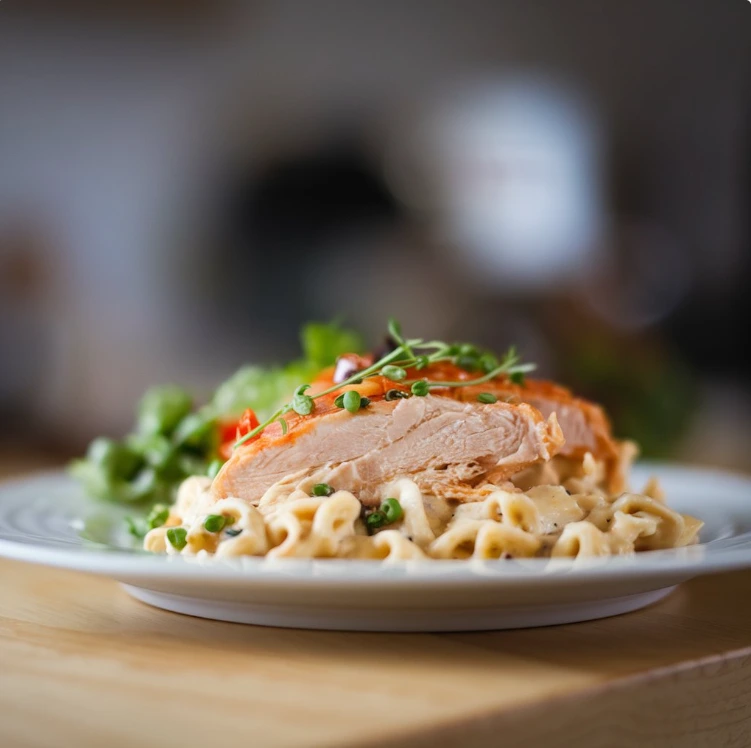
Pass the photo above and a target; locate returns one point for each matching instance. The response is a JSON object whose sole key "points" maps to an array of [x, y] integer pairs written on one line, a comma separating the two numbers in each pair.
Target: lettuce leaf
{"points": [[267, 388], [323, 343], [173, 441], [257, 387]]}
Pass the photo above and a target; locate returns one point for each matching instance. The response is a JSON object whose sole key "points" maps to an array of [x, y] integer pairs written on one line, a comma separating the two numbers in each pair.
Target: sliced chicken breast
{"points": [[584, 424], [436, 441]]}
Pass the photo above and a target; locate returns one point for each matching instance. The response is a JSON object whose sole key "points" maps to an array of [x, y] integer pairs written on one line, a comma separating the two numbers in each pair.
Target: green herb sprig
{"points": [[389, 512], [409, 353]]}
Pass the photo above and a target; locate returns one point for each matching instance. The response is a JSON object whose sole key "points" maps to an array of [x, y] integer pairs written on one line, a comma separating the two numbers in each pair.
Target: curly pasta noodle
{"points": [[532, 517]]}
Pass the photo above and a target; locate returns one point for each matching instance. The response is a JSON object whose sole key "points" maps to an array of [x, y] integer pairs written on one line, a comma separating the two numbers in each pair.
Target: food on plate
{"points": [[442, 444], [173, 440], [426, 450]]}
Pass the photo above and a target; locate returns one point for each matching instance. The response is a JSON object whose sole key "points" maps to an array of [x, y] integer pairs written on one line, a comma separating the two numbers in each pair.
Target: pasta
{"points": [[388, 545], [560, 511]]}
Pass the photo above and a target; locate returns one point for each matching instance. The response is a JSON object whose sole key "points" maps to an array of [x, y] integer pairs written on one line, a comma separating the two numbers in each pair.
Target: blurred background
{"points": [[182, 184]]}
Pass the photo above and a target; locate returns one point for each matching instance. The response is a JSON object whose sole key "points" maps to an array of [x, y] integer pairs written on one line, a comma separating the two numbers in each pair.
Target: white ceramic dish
{"points": [[46, 519]]}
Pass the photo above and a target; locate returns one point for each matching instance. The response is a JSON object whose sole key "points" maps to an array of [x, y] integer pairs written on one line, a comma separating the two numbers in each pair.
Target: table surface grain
{"points": [[82, 664]]}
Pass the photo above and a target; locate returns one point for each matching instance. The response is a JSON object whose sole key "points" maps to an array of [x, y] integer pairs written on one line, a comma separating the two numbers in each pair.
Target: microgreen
{"points": [[487, 398], [157, 516], [375, 520], [214, 523], [420, 388], [351, 401], [214, 467], [302, 404], [392, 510], [394, 373], [178, 537], [409, 353]]}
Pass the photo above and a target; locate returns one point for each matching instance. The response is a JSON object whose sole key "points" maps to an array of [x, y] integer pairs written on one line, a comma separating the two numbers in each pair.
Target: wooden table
{"points": [[82, 664]]}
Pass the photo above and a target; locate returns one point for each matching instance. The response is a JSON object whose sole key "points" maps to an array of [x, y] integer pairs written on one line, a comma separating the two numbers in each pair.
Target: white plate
{"points": [[46, 519]]}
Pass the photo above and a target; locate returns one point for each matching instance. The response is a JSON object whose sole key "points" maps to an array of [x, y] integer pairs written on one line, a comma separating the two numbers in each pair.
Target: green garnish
{"points": [[214, 523], [136, 527], [113, 458], [488, 362], [195, 430], [420, 388], [392, 510], [487, 397], [389, 512], [302, 404], [157, 516], [375, 520], [395, 331], [156, 450], [169, 445], [177, 537], [394, 373], [517, 377], [351, 401], [162, 408], [468, 363], [322, 489], [394, 365], [214, 467], [232, 533]]}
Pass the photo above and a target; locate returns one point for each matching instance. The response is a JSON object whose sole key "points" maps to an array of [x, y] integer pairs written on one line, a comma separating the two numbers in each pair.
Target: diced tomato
{"points": [[248, 422], [227, 431], [231, 431]]}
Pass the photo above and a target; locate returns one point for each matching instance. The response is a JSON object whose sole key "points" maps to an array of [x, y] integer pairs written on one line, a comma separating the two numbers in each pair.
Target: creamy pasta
{"points": [[560, 510]]}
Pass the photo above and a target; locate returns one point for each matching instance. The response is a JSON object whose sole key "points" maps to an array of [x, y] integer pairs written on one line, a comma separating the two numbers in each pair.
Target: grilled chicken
{"points": [[446, 445], [584, 425]]}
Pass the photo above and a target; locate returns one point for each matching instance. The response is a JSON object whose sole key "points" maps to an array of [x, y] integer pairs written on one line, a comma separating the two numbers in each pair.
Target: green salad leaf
{"points": [[162, 408], [265, 388], [169, 444], [254, 387], [322, 343], [173, 440]]}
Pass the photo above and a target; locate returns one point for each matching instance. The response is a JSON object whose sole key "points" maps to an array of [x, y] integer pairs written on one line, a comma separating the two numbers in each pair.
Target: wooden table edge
{"points": [[639, 702]]}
